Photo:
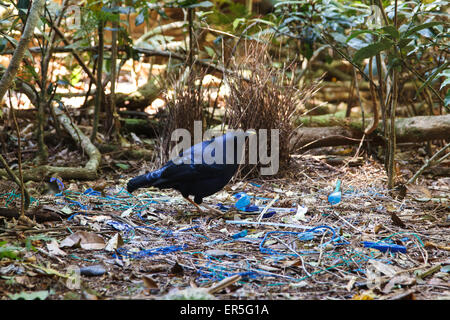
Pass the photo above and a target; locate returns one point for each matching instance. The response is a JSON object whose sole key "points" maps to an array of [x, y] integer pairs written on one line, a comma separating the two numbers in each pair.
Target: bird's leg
{"points": [[200, 208], [196, 205]]}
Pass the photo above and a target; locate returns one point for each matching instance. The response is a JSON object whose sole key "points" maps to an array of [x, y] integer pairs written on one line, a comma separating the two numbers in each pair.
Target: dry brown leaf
{"points": [[54, 250], [176, 270], [429, 244], [419, 191], [403, 279], [149, 283], [378, 228], [397, 221], [86, 240], [115, 242], [292, 263]]}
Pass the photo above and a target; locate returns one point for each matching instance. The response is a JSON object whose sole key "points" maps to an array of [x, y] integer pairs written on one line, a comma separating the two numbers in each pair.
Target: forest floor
{"points": [[107, 244]]}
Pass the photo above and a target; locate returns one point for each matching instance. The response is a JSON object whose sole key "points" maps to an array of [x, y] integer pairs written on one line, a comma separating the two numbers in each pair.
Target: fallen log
{"points": [[40, 214], [414, 129]]}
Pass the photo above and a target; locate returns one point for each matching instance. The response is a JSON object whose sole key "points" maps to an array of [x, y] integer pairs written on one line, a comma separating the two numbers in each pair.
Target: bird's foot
{"points": [[213, 210]]}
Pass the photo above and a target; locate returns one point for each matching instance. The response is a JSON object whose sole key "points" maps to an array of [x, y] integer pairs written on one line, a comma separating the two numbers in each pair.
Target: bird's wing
{"points": [[186, 172], [190, 164]]}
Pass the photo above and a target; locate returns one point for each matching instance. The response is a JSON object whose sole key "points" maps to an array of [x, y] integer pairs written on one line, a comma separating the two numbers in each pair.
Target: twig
{"points": [[429, 162], [267, 208], [27, 35], [224, 283], [74, 53], [24, 198], [99, 88]]}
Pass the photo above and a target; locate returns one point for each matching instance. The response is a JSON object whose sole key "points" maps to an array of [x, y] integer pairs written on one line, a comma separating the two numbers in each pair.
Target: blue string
{"points": [[122, 252], [315, 229]]}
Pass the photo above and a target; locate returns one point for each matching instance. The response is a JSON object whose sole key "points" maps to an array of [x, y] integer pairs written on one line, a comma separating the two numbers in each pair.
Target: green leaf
{"points": [[421, 27], [445, 73], [203, 4], [3, 43], [372, 49], [32, 71], [50, 88], [22, 6], [210, 51], [123, 166], [40, 295], [9, 252], [392, 31], [140, 18], [358, 32], [75, 76], [447, 99], [433, 76], [339, 37], [404, 42], [237, 22]]}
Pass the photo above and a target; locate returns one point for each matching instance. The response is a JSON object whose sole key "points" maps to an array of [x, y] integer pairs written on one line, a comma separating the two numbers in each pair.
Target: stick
{"points": [[429, 162]]}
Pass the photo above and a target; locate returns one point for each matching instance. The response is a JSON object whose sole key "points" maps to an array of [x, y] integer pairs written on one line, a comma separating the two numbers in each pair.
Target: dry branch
{"points": [[19, 52]]}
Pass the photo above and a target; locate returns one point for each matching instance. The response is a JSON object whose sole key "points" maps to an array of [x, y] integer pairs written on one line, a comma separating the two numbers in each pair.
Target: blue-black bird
{"points": [[199, 171]]}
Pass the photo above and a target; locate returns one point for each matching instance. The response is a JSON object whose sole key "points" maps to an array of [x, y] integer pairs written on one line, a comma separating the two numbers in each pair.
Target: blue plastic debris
{"points": [[251, 208], [58, 182], [335, 197], [122, 252], [243, 200], [306, 236], [268, 214], [119, 225], [92, 192], [223, 207], [240, 234], [383, 247]]}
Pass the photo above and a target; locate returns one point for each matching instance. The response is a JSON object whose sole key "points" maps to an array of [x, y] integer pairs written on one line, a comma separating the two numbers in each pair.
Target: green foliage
{"points": [[7, 251], [123, 166], [372, 49], [193, 4], [308, 21], [226, 18]]}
